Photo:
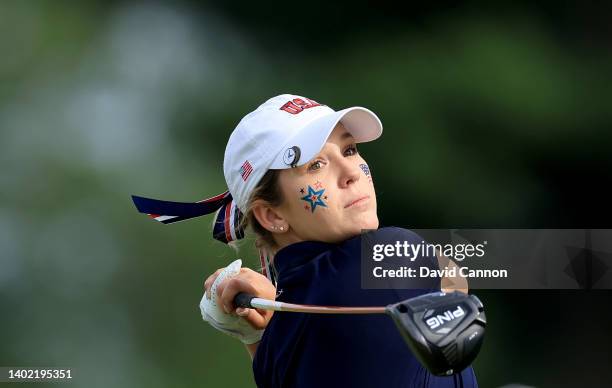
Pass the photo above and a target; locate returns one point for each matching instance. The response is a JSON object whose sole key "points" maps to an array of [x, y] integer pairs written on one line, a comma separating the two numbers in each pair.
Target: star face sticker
{"points": [[317, 185], [314, 198]]}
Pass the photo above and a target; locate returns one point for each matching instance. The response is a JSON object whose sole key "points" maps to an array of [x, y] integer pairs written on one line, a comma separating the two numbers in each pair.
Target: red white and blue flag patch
{"points": [[246, 170]]}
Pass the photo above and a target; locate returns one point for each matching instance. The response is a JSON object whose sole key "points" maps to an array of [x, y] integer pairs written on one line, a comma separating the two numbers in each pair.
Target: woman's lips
{"points": [[358, 201]]}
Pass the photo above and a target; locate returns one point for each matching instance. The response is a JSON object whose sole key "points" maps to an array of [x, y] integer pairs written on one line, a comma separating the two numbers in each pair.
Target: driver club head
{"points": [[443, 330]]}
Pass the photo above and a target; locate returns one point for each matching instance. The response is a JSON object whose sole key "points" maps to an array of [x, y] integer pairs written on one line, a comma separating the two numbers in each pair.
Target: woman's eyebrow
{"points": [[343, 137], [346, 135]]}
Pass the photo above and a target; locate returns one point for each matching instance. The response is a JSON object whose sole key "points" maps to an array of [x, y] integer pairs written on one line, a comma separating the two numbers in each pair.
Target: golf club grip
{"points": [[242, 299]]}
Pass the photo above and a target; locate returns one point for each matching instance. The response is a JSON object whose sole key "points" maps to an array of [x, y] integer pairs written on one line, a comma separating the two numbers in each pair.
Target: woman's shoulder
{"points": [[385, 235], [397, 232]]}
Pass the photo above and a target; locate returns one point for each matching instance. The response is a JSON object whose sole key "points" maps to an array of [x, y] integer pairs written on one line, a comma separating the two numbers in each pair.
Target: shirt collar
{"points": [[295, 255], [291, 257]]}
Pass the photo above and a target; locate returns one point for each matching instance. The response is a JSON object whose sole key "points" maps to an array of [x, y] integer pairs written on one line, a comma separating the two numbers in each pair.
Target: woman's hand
{"points": [[247, 281], [455, 283]]}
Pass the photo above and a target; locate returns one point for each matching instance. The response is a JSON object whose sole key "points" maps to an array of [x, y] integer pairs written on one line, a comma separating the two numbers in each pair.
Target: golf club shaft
{"points": [[249, 301]]}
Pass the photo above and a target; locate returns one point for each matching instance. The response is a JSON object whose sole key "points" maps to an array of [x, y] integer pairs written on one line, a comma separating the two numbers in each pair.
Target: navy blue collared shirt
{"points": [[320, 350]]}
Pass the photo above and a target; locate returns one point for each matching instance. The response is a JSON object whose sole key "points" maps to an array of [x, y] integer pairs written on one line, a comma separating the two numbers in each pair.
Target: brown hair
{"points": [[268, 189]]}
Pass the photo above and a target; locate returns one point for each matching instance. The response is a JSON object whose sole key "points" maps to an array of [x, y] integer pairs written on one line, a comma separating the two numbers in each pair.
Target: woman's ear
{"points": [[268, 217]]}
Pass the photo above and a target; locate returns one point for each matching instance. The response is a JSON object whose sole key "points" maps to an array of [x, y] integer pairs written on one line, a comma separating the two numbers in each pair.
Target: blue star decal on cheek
{"points": [[314, 198]]}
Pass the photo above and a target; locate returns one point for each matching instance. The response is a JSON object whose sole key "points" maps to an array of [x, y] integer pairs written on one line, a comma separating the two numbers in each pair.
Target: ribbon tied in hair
{"points": [[228, 219]]}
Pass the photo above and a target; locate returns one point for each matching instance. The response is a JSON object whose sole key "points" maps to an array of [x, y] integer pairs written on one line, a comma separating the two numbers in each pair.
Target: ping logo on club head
{"points": [[440, 319]]}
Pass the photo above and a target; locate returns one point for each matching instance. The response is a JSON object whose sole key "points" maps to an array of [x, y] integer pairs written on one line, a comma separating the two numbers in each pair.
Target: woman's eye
{"points": [[352, 150], [315, 166]]}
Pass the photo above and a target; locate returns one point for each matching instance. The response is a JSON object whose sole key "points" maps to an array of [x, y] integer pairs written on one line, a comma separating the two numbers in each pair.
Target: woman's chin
{"points": [[368, 221]]}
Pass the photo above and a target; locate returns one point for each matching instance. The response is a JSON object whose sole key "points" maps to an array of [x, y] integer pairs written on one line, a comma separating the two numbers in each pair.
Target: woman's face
{"points": [[330, 198]]}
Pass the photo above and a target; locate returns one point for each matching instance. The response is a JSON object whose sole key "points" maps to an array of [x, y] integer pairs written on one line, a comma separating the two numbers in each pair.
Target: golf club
{"points": [[444, 330]]}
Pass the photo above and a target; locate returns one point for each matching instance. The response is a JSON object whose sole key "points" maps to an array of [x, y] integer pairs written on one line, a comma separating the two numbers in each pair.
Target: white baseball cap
{"points": [[286, 131]]}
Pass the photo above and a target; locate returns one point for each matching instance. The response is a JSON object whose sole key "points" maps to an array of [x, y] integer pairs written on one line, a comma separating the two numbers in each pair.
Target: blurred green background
{"points": [[495, 115]]}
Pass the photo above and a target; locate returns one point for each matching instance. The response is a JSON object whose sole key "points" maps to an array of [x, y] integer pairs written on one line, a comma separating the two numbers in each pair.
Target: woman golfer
{"points": [[296, 179]]}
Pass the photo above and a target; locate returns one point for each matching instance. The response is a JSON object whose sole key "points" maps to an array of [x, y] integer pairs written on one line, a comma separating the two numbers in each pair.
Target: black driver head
{"points": [[444, 330]]}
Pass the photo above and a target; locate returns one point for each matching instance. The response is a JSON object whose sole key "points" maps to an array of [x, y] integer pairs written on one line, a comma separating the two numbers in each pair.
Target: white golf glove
{"points": [[229, 324]]}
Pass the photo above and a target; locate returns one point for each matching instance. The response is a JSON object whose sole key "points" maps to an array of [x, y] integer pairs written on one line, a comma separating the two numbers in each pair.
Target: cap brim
{"points": [[360, 122]]}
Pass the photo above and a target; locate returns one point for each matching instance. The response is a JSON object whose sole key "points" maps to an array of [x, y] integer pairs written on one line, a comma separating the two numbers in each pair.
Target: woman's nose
{"points": [[350, 173]]}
